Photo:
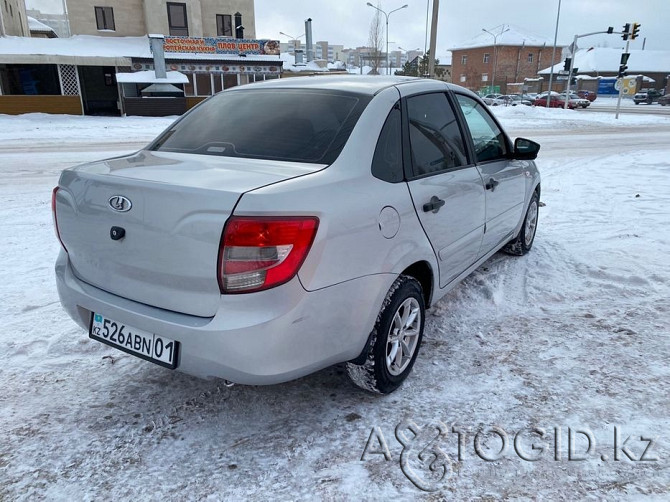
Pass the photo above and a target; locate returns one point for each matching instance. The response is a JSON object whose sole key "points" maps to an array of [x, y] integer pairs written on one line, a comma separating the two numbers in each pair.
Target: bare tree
{"points": [[376, 41]]}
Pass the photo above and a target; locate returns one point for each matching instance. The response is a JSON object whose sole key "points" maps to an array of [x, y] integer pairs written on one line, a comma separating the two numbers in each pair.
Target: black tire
{"points": [[520, 245], [376, 374]]}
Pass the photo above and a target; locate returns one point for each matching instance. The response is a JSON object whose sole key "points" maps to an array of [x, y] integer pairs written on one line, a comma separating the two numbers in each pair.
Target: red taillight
{"points": [[53, 212], [259, 253]]}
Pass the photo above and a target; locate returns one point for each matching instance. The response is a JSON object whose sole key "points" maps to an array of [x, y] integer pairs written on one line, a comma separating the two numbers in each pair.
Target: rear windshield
{"points": [[277, 124]]}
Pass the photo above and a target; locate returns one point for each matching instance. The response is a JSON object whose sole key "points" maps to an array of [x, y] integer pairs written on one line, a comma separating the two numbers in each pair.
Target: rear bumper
{"points": [[258, 338]]}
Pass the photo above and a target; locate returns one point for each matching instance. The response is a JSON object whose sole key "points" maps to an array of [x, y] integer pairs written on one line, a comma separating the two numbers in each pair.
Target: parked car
{"points": [[576, 101], [516, 99], [647, 96], [590, 95], [557, 100], [664, 100], [263, 236], [493, 99]]}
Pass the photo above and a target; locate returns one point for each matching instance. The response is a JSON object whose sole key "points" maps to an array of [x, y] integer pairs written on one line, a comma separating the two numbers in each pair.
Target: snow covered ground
{"points": [[574, 335]]}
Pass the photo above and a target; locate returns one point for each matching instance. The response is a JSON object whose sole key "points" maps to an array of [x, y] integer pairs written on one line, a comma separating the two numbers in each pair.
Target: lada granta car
{"points": [[282, 227]]}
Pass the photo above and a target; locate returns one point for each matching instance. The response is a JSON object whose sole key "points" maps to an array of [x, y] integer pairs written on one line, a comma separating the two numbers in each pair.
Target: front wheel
{"points": [[394, 341], [522, 243]]}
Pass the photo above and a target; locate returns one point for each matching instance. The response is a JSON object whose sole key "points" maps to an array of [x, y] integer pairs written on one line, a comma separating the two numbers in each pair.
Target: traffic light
{"points": [[636, 31], [610, 30], [626, 31], [566, 66], [622, 70]]}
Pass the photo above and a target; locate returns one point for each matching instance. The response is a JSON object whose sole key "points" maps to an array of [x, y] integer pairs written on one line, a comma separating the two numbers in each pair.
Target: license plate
{"points": [[149, 346]]}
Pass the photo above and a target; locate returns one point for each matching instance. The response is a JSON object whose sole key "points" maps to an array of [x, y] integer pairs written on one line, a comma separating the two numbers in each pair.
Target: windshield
{"points": [[276, 124]]}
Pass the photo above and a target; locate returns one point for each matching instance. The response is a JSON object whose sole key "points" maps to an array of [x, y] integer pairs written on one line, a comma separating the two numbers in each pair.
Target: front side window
{"points": [[487, 138], [486, 57], [530, 57], [434, 134], [485, 77], [104, 18], [387, 161], [224, 25], [464, 59], [298, 126], [177, 19]]}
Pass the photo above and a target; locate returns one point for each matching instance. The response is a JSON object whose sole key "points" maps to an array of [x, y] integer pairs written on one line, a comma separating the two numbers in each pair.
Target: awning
{"points": [[149, 77]]}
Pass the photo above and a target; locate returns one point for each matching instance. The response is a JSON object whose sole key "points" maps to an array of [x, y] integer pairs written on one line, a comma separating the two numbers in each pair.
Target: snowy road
{"points": [[576, 335]]}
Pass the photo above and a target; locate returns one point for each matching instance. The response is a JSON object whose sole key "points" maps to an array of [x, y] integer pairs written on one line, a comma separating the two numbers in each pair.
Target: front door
{"points": [[445, 185], [504, 179]]}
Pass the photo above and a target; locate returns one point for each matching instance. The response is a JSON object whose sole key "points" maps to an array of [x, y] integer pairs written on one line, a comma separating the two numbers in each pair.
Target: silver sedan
{"points": [[286, 226]]}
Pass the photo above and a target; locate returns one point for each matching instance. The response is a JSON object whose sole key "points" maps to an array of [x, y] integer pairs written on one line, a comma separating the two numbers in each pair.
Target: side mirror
{"points": [[525, 149]]}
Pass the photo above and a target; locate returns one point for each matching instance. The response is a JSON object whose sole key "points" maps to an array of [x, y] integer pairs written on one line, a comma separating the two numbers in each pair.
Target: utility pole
{"points": [[627, 34], [553, 54], [433, 39]]}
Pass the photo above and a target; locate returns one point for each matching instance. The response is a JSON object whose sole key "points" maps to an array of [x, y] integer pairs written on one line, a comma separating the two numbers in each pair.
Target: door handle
{"points": [[492, 184], [434, 205]]}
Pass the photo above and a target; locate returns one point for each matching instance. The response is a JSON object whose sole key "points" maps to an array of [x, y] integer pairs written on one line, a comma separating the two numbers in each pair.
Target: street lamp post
{"points": [[495, 54], [295, 39], [388, 70], [553, 54]]}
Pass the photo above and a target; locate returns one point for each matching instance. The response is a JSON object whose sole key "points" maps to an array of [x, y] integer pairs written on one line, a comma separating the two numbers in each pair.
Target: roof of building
{"points": [[94, 50], [507, 35], [601, 59], [36, 26]]}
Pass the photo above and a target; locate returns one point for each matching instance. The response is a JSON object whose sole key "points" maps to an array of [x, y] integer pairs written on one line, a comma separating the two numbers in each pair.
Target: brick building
{"points": [[514, 56]]}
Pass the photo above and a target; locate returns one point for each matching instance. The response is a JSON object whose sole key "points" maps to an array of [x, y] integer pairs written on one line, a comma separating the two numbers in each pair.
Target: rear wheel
{"points": [[394, 341], [523, 242]]}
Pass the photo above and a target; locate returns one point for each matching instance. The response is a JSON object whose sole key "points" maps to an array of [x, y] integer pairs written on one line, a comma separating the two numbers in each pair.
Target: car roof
{"points": [[360, 84]]}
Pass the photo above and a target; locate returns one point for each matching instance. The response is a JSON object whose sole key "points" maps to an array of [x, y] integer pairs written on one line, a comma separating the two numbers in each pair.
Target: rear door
{"points": [[504, 179], [446, 187]]}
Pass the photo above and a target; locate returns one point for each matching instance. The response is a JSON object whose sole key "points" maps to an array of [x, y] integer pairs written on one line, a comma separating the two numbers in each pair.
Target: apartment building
{"points": [[13, 19]]}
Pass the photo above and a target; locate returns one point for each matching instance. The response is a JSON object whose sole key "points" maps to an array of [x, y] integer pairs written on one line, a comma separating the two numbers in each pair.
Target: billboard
{"points": [[214, 45]]}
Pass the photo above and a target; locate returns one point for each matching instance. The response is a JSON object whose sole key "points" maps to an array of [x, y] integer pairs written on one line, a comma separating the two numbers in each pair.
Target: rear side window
{"points": [[435, 137], [488, 139], [387, 162], [278, 124]]}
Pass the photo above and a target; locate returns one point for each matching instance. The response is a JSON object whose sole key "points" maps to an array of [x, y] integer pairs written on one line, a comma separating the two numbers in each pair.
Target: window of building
{"points": [[104, 18], [486, 57], [188, 87], [224, 25], [464, 59], [485, 77], [177, 19], [203, 84], [463, 78], [530, 57]]}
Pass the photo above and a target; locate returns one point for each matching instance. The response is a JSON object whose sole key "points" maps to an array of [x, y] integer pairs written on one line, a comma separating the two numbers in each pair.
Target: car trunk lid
{"points": [[172, 214]]}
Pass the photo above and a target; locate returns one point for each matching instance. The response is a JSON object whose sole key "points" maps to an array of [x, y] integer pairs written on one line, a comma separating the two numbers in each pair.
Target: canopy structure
{"points": [[149, 77]]}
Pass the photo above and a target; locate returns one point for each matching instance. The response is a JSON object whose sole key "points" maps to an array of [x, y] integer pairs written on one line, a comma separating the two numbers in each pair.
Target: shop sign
{"points": [[213, 45]]}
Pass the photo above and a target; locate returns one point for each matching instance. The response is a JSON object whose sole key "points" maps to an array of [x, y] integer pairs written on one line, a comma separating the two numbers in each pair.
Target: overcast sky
{"points": [[347, 22]]}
